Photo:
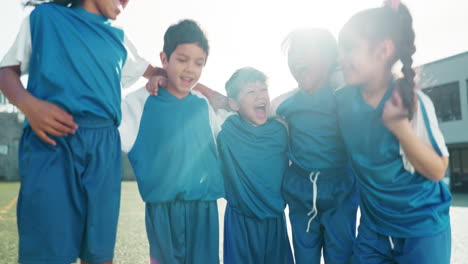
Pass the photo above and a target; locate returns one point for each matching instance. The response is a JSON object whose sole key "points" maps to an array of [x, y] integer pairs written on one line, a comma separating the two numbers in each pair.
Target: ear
{"points": [[386, 50], [233, 104], [164, 59]]}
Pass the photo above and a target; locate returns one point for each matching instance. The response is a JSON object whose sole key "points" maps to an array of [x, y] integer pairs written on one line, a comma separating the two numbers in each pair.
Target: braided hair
{"points": [[396, 24]]}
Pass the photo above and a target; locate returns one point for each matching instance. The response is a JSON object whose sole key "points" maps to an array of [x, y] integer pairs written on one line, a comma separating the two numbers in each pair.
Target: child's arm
{"points": [[136, 66], [423, 158], [154, 71], [44, 118], [216, 99]]}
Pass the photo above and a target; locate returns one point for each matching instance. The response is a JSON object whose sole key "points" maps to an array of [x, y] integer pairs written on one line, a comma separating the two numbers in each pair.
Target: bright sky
{"points": [[250, 32]]}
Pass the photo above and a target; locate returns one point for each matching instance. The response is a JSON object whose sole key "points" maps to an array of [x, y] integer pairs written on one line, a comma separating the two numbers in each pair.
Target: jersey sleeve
{"points": [[429, 130], [20, 52], [135, 65], [426, 127], [132, 111]]}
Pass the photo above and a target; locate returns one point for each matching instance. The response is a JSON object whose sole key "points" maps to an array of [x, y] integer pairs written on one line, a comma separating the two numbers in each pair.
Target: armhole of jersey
{"points": [[132, 112]]}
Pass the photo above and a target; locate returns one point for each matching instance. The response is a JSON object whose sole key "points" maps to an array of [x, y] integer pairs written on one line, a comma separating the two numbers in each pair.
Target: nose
{"points": [[190, 67]]}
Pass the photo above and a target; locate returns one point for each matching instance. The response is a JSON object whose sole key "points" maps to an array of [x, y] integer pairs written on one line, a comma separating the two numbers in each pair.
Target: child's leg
{"points": [[371, 247], [298, 193], [277, 246], [236, 243], [424, 250], [101, 175], [339, 221], [183, 232], [340, 232], [202, 229], [165, 227], [249, 240], [50, 209]]}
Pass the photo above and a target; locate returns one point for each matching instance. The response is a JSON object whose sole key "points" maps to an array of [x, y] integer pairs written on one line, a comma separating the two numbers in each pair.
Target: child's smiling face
{"points": [[252, 103], [108, 8], [184, 68]]}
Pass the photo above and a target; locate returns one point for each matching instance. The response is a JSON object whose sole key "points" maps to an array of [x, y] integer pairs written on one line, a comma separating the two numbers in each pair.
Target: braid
{"points": [[406, 50]]}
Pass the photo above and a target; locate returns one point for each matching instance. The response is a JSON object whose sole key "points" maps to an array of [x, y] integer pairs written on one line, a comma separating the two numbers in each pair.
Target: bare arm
{"points": [[45, 118], [423, 158], [154, 71], [217, 100]]}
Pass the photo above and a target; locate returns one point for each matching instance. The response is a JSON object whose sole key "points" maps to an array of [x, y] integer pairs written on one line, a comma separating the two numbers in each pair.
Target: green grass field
{"points": [[132, 246]]}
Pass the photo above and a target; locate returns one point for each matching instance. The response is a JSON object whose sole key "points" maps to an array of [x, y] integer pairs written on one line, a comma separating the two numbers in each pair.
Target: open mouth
{"points": [[186, 80], [260, 111]]}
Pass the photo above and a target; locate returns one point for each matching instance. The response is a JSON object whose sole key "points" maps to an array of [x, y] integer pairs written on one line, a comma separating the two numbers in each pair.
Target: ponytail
{"points": [[405, 51]]}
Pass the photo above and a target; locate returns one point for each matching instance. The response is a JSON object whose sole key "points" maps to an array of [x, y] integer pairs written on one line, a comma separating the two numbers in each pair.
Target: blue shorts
{"points": [[69, 198], [372, 247], [250, 240], [183, 232], [332, 226]]}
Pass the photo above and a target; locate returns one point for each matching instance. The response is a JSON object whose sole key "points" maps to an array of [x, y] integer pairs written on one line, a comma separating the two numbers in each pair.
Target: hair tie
{"points": [[394, 4]]}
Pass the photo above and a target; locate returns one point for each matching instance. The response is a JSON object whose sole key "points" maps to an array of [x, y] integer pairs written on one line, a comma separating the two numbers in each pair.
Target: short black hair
{"points": [[241, 77], [185, 31]]}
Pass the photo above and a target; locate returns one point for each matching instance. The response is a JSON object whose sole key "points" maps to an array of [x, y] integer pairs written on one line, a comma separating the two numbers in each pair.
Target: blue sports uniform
{"points": [[254, 159], [70, 194], [172, 149], [405, 217], [318, 186]]}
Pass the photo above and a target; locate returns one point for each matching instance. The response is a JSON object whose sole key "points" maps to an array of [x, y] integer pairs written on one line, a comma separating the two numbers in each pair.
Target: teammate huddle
{"points": [[321, 149]]}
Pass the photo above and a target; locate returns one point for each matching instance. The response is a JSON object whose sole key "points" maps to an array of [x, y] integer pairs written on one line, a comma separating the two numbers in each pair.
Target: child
{"points": [[395, 144], [253, 151], [318, 186], [172, 148], [69, 154]]}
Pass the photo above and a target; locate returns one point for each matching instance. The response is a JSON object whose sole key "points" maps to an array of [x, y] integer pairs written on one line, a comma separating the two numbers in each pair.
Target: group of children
{"points": [[315, 148]]}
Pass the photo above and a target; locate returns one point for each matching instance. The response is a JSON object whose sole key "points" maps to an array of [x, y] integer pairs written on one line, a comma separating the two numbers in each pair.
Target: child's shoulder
{"points": [[201, 99], [275, 103], [278, 125], [345, 92], [47, 8], [281, 98], [424, 98]]}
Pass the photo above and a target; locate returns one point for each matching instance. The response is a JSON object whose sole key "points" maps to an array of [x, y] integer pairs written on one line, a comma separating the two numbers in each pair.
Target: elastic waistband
{"points": [[94, 122], [324, 173]]}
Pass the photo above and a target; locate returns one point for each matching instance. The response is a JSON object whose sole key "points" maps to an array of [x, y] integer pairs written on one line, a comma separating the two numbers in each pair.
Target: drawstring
{"points": [[313, 176], [391, 243]]}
